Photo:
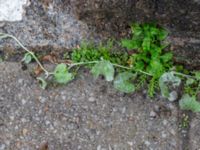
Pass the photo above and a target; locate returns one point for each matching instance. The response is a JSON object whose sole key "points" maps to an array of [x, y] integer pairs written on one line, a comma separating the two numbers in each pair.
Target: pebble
{"points": [[91, 99], [147, 143], [42, 99], [99, 147], [130, 143], [24, 132], [153, 114], [163, 134], [20, 81], [2, 147], [12, 118], [63, 97], [123, 110], [23, 101], [165, 122]]}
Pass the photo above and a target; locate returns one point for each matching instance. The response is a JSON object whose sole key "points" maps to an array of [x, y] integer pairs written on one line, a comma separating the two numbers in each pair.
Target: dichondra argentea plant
{"points": [[143, 59]]}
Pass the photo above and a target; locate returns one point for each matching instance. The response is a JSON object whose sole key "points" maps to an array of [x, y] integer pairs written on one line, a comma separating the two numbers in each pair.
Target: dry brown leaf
{"points": [[38, 70], [78, 46], [46, 108], [49, 58], [24, 132], [44, 146]]}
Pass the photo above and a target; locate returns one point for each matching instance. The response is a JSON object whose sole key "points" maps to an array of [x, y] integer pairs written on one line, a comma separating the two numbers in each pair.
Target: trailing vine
{"points": [[144, 58]]}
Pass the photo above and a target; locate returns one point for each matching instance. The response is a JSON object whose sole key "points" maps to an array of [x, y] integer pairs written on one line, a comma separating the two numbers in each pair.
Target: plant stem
{"points": [[183, 75], [120, 66], [146, 73], [28, 51], [75, 64], [116, 65], [128, 68], [81, 63]]}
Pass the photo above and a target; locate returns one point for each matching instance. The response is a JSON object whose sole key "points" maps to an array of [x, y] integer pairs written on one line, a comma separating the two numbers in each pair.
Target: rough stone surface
{"points": [[46, 25], [12, 10], [87, 114], [194, 135], [177, 15], [180, 17], [57, 25]]}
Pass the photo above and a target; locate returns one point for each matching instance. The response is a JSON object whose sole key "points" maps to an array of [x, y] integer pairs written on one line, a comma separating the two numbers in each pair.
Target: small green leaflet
{"points": [[154, 31], [146, 45], [165, 79], [166, 57], [136, 29], [162, 34], [188, 102], [122, 82], [156, 68], [62, 75], [131, 44], [104, 68], [139, 65], [197, 75], [43, 83], [27, 58]]}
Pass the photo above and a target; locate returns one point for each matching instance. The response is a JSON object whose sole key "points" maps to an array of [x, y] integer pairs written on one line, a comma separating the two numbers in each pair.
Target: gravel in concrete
{"points": [[194, 134], [87, 114]]}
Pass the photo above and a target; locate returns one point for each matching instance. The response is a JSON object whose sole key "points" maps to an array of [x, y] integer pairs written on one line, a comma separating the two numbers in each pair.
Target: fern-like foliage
{"points": [[149, 51]]}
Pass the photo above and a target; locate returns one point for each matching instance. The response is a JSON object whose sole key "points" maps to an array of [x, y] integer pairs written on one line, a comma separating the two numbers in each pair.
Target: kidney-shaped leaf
{"points": [[62, 75], [104, 68], [165, 79], [123, 84], [188, 102], [27, 58], [43, 83]]}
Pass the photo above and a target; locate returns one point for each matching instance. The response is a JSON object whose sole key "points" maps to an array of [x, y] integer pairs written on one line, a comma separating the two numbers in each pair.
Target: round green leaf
{"points": [[27, 58], [62, 75], [164, 80], [188, 102], [123, 84], [105, 68]]}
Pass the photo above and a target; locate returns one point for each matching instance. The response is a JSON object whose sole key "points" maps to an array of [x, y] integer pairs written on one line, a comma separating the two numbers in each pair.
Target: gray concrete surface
{"points": [[194, 135], [87, 114]]}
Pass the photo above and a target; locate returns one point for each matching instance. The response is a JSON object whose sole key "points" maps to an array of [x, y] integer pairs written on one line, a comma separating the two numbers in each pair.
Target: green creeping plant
{"points": [[62, 75], [27, 58], [148, 61]]}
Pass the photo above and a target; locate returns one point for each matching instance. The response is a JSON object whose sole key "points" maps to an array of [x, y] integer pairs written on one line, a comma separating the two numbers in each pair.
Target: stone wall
{"points": [[62, 24], [177, 15]]}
